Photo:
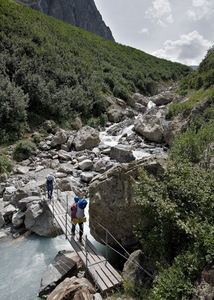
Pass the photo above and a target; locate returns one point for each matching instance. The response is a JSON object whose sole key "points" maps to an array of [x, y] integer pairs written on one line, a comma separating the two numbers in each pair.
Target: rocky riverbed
{"points": [[96, 164]]}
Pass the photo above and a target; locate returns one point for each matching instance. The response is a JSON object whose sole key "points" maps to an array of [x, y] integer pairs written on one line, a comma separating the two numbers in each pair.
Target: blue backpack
{"points": [[82, 204]]}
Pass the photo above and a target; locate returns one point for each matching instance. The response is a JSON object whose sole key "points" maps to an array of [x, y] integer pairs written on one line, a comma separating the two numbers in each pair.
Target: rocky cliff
{"points": [[80, 13]]}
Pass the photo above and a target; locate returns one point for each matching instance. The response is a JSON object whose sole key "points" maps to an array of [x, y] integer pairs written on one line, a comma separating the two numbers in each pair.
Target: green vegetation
{"points": [[4, 163], [180, 207], [56, 71], [24, 149], [179, 204]]}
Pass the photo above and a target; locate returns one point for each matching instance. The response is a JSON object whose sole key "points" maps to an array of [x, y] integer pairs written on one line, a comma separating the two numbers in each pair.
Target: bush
{"points": [[179, 206], [194, 145], [13, 115], [23, 150], [4, 163]]}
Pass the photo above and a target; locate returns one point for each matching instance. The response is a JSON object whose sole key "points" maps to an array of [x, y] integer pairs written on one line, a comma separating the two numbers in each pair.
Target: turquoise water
{"points": [[23, 262]]}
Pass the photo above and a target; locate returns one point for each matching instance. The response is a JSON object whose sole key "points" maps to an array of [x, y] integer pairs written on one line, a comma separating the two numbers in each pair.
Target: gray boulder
{"points": [[59, 138], [18, 219], [87, 137], [150, 126], [2, 221], [164, 98], [135, 274], [22, 204], [65, 264], [111, 200], [79, 288], [39, 219], [86, 165], [140, 99], [121, 154]]}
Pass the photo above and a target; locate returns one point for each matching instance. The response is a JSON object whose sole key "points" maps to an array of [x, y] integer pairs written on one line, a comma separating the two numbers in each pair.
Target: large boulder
{"points": [[65, 264], [135, 274], [164, 98], [87, 137], [22, 204], [121, 154], [150, 126], [111, 200], [39, 219], [59, 138], [18, 219], [2, 221], [73, 288]]}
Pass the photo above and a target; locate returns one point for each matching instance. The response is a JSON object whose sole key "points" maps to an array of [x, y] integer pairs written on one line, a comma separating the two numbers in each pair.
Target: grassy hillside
{"points": [[58, 71]]}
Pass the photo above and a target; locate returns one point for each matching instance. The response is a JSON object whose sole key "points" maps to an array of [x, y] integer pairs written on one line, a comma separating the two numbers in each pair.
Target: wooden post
{"points": [[53, 207], [86, 254], [66, 218], [106, 246]]}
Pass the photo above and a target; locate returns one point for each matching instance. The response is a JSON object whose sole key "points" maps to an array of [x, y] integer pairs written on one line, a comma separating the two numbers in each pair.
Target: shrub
{"points": [[13, 115], [179, 206], [23, 150], [4, 163]]}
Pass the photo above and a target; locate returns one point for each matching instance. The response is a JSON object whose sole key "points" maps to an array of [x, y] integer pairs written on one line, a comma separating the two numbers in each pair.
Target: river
{"points": [[24, 260]]}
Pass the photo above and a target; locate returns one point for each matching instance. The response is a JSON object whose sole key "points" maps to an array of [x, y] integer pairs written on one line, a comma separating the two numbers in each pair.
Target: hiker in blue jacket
{"points": [[49, 183], [78, 214]]}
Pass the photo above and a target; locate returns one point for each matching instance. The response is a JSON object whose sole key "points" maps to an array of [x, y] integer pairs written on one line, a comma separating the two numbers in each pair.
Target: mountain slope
{"points": [[80, 13], [58, 71]]}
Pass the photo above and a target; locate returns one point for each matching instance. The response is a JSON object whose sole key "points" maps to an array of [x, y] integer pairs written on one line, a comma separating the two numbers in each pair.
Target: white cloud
{"points": [[200, 9], [160, 11], [144, 30], [190, 49]]}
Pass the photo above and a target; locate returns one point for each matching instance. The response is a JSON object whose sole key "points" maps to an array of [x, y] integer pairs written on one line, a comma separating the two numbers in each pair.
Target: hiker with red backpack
{"points": [[78, 215]]}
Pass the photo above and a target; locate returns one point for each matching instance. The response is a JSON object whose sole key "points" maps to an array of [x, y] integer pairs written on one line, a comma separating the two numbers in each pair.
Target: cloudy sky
{"points": [[180, 31]]}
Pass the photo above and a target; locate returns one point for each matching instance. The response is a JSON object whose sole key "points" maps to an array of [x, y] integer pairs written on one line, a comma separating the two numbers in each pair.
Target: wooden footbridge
{"points": [[100, 271]]}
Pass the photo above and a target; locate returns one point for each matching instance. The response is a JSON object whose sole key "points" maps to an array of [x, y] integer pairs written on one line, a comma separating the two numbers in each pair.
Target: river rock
{"points": [[150, 126], [65, 264], [64, 155], [115, 115], [87, 137], [78, 123], [73, 288], [86, 165], [3, 177], [87, 176], [121, 154], [22, 169], [22, 204], [163, 98], [38, 219], [66, 184], [2, 221], [133, 270], [18, 219], [8, 193], [54, 164], [111, 200], [140, 99], [59, 138]]}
